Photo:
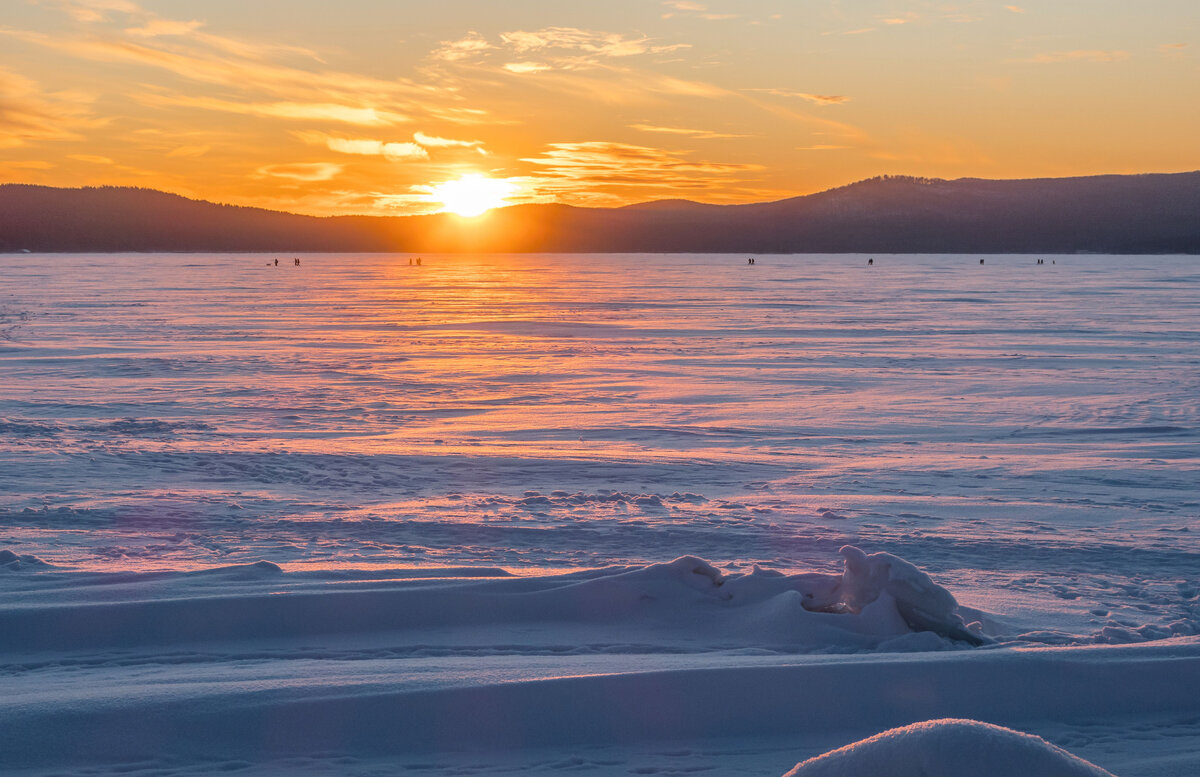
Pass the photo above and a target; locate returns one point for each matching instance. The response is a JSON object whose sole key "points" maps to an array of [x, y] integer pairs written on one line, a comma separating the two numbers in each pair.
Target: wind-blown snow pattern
{"points": [[360, 517]]}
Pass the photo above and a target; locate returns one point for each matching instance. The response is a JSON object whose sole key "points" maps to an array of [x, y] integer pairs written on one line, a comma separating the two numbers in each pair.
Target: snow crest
{"points": [[949, 748]]}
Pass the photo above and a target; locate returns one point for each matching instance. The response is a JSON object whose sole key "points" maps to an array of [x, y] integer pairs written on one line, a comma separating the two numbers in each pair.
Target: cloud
{"points": [[189, 151], [906, 18], [694, 133], [274, 88], [27, 114], [683, 7], [157, 27], [90, 159], [432, 141], [551, 48], [1077, 56], [600, 163], [346, 114], [604, 44], [302, 171], [819, 99], [469, 45], [88, 11], [1014, 8], [821, 147], [394, 151], [525, 67]]}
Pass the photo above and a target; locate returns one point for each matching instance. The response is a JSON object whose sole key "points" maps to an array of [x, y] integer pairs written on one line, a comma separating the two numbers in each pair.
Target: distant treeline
{"points": [[892, 214]]}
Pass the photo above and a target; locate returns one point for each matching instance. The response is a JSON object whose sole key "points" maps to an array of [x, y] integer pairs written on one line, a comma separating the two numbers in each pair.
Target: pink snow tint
{"points": [[949, 747]]}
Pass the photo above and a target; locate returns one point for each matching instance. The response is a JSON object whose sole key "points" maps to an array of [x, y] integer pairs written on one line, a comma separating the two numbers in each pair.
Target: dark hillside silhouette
{"points": [[1103, 214]]}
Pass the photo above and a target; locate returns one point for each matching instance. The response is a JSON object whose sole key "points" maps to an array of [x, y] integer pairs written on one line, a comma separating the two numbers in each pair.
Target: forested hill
{"points": [[1157, 213]]}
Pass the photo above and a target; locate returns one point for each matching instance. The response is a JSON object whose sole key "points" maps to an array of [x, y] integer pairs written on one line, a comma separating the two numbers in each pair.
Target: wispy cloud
{"points": [[432, 141], [274, 86], [687, 8], [189, 151], [605, 44], [467, 46], [692, 133], [93, 159], [819, 99], [602, 164], [524, 52], [1079, 55], [156, 27], [29, 164], [93, 10], [525, 67], [302, 171], [344, 114], [1014, 8], [394, 151], [28, 114]]}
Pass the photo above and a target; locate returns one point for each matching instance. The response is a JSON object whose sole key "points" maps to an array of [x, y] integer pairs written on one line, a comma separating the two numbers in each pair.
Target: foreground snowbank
{"points": [[878, 602], [262, 665]]}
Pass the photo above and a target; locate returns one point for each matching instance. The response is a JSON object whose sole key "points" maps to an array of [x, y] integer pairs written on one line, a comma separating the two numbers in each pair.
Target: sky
{"points": [[374, 106]]}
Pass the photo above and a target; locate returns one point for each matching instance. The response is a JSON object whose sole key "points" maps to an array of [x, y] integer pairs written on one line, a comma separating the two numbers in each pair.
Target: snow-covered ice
{"points": [[358, 517]]}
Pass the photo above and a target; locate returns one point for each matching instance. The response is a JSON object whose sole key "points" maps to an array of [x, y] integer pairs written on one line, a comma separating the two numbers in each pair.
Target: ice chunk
{"points": [[923, 604]]}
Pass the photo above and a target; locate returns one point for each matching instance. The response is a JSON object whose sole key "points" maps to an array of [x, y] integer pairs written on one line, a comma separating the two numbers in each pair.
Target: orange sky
{"points": [[365, 106]]}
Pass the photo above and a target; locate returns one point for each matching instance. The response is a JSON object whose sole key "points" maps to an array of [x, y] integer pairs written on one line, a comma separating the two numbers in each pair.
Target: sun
{"points": [[471, 194]]}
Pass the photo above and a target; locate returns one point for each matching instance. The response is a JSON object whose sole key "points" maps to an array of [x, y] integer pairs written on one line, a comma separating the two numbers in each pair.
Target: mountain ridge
{"points": [[1142, 213]]}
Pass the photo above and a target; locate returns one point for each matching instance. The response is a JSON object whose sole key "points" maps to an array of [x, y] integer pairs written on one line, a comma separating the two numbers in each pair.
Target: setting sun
{"points": [[471, 194]]}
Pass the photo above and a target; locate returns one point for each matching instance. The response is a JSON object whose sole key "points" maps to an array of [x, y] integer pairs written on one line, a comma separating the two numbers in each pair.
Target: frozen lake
{"points": [[187, 410], [1028, 435]]}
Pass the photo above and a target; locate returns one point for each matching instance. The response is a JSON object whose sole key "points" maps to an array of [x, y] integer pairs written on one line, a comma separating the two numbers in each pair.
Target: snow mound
{"points": [[13, 561], [949, 748], [257, 570]]}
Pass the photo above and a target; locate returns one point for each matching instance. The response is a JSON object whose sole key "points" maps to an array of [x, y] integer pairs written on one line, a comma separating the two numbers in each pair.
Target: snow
{"points": [[948, 748], [360, 518]]}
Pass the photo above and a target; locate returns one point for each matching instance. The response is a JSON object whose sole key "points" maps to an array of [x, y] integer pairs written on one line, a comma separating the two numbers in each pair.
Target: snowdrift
{"points": [[949, 748], [878, 602]]}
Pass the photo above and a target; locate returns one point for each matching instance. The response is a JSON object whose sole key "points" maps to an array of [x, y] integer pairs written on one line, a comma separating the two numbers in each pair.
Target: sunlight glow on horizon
{"points": [[471, 195]]}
